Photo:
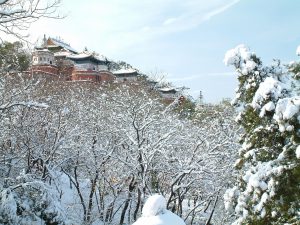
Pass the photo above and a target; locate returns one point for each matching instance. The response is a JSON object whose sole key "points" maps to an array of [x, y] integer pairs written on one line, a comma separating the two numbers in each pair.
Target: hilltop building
{"points": [[58, 60], [43, 61], [56, 45], [55, 59], [168, 92], [129, 74]]}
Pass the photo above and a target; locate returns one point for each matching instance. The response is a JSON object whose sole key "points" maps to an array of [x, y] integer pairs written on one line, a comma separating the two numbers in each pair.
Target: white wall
{"points": [[41, 57]]}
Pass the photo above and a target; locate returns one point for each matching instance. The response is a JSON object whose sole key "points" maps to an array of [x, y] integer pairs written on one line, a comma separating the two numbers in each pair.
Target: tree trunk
{"points": [[130, 189]]}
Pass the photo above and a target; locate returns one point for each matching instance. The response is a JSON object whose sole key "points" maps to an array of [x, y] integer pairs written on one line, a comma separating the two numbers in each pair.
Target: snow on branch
{"points": [[17, 16], [26, 104]]}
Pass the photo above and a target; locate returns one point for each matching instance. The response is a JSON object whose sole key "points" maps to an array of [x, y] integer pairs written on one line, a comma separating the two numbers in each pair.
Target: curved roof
{"points": [[167, 90], [57, 42], [62, 53], [85, 55], [125, 71]]}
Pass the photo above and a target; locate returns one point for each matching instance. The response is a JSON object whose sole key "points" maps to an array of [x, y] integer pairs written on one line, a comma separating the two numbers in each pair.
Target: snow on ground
{"points": [[168, 218], [155, 205], [69, 196], [155, 213]]}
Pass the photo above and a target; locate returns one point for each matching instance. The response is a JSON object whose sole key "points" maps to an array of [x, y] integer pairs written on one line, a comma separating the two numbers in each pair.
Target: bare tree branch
{"points": [[16, 16]]}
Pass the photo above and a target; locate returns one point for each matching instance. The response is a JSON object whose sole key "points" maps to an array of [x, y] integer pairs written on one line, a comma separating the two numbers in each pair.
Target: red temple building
{"points": [[58, 60]]}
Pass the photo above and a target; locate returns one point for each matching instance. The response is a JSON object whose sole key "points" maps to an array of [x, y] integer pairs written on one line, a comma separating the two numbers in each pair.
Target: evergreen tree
{"points": [[13, 58], [267, 190]]}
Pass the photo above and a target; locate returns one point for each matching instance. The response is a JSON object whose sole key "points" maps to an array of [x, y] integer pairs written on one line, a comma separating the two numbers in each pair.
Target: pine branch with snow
{"points": [[266, 192]]}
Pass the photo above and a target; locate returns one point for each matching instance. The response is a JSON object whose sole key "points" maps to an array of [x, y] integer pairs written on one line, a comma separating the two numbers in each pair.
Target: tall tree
{"points": [[267, 189]]}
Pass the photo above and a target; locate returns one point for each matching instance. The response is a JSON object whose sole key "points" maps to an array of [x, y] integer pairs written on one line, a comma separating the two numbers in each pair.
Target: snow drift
{"points": [[155, 213]]}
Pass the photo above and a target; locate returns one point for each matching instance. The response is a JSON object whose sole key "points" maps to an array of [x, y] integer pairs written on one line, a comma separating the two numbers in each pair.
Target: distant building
{"points": [[43, 62], [88, 66], [89, 61], [55, 59], [58, 59], [56, 45], [168, 92], [42, 57], [129, 74]]}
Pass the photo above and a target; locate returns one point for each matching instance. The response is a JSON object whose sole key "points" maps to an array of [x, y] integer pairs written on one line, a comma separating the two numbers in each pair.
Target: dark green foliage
{"points": [[269, 184], [13, 57], [186, 107]]}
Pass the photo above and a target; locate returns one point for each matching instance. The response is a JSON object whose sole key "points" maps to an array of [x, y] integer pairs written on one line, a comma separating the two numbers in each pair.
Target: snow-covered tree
{"points": [[100, 151], [121, 145], [267, 189], [13, 57], [26, 197], [220, 132], [30, 201]]}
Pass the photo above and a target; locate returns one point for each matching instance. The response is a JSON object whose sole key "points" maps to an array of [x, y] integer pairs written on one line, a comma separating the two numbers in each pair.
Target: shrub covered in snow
{"points": [[31, 202], [267, 191]]}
